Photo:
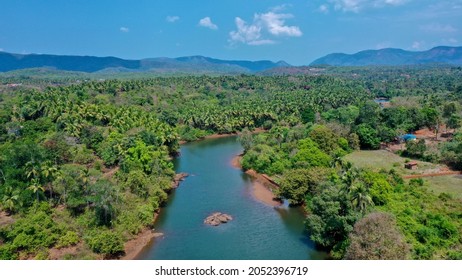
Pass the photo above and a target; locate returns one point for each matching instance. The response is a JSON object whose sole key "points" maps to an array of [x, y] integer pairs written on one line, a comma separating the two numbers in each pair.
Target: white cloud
{"points": [[124, 29], [248, 34], [1, 50], [357, 5], [438, 28], [348, 5], [394, 2], [450, 41], [324, 9], [417, 45], [275, 24], [207, 22], [270, 24], [172, 19], [280, 8]]}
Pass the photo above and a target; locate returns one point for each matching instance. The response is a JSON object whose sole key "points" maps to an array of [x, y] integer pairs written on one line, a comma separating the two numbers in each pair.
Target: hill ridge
{"points": [[393, 57], [90, 64]]}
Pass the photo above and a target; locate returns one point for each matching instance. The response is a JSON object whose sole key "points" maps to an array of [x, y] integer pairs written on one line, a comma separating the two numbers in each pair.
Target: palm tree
{"points": [[10, 200], [36, 187], [49, 172], [360, 198], [32, 170]]}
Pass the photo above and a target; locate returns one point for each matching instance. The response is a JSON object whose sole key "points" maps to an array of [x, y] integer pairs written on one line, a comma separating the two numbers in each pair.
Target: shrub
{"points": [[69, 239], [105, 242]]}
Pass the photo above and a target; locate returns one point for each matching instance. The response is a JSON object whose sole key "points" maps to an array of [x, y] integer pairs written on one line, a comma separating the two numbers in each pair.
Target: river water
{"points": [[257, 231]]}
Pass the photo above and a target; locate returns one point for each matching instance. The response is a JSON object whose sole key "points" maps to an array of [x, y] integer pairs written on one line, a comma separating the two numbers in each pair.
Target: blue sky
{"points": [[297, 31]]}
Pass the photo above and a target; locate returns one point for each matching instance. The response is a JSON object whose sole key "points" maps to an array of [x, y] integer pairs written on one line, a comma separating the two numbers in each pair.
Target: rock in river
{"points": [[217, 218], [178, 178]]}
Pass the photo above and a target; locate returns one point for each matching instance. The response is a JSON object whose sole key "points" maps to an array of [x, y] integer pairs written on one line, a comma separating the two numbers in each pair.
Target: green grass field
{"points": [[381, 159], [446, 184]]}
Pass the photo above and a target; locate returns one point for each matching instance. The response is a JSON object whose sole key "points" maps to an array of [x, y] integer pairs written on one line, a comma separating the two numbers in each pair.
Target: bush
{"points": [[368, 137], [327, 140], [188, 133], [8, 252], [30, 234], [297, 183], [309, 155], [262, 158], [69, 239], [82, 155], [105, 242]]}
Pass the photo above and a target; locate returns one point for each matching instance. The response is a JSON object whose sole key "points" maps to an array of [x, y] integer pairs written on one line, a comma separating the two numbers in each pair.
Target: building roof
{"points": [[407, 137]]}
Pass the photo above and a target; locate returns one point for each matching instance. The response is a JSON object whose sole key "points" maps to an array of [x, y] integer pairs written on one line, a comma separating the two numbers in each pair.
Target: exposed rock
{"points": [[217, 218], [5, 219], [178, 178], [158, 234]]}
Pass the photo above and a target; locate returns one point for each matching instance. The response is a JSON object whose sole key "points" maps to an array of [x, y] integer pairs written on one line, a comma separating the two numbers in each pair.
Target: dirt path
{"points": [[446, 173], [109, 173]]}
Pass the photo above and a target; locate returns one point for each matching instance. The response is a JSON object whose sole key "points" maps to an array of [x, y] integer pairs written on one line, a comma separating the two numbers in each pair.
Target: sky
{"points": [[296, 31]]}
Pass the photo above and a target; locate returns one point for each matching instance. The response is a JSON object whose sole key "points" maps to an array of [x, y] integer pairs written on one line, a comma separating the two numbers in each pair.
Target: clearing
{"points": [[382, 159]]}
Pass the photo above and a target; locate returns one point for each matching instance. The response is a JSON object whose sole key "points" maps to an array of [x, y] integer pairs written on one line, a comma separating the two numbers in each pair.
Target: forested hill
{"points": [[192, 64], [393, 57]]}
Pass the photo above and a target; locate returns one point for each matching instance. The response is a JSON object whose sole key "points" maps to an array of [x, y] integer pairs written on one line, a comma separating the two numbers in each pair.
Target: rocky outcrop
{"points": [[217, 219], [178, 178]]}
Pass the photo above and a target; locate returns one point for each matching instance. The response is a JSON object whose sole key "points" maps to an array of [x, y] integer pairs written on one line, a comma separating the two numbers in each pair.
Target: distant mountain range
{"points": [[91, 64], [393, 57], [205, 65]]}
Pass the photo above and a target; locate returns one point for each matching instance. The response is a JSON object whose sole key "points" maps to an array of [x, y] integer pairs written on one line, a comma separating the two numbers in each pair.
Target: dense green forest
{"points": [[87, 162]]}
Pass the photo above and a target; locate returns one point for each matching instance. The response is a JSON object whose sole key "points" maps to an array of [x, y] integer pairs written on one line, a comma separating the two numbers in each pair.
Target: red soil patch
{"points": [[445, 173], [424, 133]]}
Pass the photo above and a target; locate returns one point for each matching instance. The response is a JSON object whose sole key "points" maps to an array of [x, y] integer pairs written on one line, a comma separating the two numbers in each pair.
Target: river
{"points": [[257, 231]]}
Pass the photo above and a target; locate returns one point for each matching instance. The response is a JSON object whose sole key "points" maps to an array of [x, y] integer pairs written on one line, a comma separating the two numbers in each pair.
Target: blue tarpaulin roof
{"points": [[407, 137]]}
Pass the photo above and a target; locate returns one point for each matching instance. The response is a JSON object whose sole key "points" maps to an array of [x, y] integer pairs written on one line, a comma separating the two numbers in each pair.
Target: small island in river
{"points": [[217, 219]]}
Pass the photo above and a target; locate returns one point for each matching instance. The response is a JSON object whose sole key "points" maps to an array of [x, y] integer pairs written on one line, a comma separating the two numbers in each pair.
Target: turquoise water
{"points": [[257, 231]]}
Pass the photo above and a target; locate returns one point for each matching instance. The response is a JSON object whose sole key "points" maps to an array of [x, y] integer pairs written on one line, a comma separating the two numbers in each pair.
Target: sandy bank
{"points": [[135, 246], [262, 185]]}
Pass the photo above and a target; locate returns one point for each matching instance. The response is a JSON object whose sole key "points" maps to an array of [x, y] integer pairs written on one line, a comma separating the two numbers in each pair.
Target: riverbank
{"points": [[262, 186], [135, 246], [261, 190], [216, 135]]}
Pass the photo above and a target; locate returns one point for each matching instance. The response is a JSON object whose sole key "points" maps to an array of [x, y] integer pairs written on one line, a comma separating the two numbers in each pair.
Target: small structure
{"points": [[408, 137], [411, 165]]}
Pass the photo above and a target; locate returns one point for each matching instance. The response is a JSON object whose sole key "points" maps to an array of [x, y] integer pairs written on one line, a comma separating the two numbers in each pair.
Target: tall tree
{"points": [[376, 237]]}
